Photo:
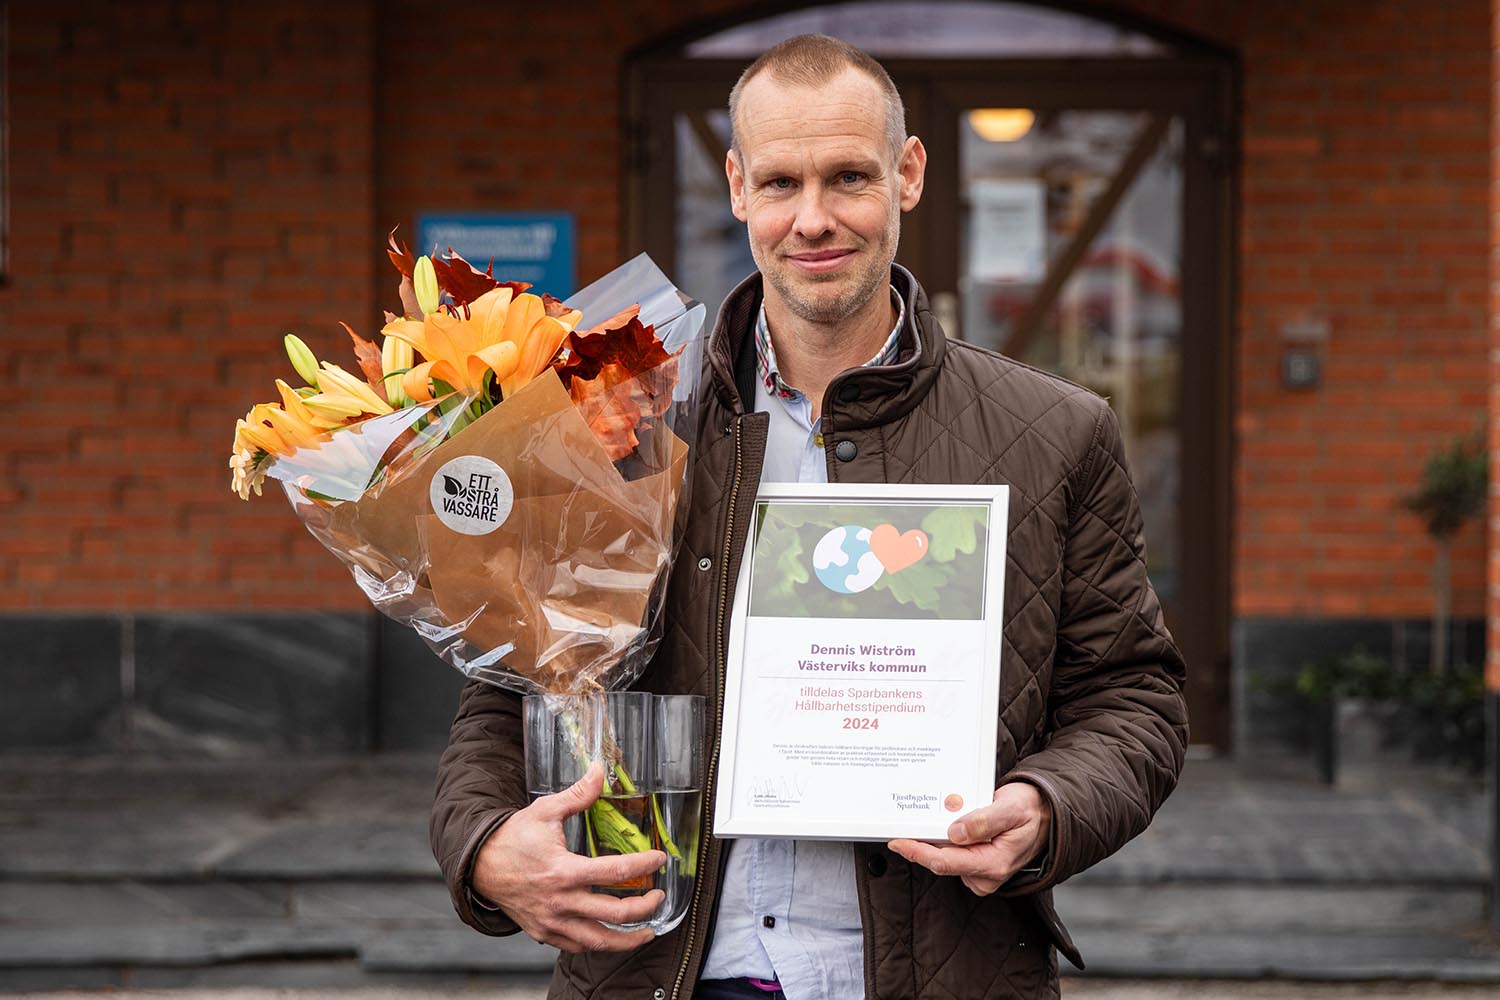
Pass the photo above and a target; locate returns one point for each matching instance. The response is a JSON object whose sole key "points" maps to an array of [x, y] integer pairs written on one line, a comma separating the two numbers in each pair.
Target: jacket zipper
{"points": [[713, 760]]}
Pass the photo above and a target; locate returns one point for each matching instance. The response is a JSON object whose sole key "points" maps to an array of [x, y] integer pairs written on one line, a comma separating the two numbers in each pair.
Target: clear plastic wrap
{"points": [[520, 551]]}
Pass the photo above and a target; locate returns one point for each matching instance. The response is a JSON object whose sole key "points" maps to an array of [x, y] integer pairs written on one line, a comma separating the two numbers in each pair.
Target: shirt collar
{"points": [[765, 353]]}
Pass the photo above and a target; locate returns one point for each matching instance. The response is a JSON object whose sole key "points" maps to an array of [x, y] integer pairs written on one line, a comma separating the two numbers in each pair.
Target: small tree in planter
{"points": [[1370, 716], [1353, 698], [1455, 483]]}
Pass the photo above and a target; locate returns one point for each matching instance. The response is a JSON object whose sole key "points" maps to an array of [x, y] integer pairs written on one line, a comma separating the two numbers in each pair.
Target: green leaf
{"points": [[920, 584], [790, 566], [951, 530], [780, 568]]}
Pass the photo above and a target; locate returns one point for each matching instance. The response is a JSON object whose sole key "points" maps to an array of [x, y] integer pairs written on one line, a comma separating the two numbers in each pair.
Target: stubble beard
{"points": [[875, 274]]}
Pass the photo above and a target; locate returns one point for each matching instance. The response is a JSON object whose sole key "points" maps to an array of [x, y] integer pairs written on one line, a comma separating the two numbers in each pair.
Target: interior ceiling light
{"points": [[1001, 124]]}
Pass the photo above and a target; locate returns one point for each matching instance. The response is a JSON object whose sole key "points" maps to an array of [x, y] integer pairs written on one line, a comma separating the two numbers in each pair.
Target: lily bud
{"points": [[302, 359], [424, 279], [395, 356]]}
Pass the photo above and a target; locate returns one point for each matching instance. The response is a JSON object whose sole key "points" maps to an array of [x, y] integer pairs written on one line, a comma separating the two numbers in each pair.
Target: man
{"points": [[828, 365]]}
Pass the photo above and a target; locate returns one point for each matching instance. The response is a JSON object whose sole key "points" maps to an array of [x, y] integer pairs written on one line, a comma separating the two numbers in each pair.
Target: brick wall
{"points": [[1492, 665], [189, 180], [538, 125], [1365, 171]]}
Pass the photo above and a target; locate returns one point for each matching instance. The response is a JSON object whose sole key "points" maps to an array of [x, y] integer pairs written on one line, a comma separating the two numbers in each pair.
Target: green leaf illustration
{"points": [[952, 530], [780, 568], [921, 584], [790, 568]]}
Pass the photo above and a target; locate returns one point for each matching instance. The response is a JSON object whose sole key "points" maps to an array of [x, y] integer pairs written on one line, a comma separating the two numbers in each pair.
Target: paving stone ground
{"points": [[316, 872]]}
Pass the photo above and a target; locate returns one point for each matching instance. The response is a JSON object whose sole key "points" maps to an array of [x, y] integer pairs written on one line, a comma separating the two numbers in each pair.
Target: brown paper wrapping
{"points": [[567, 576]]}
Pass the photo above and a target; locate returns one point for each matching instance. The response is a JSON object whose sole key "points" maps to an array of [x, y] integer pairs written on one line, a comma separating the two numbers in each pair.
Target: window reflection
{"points": [[713, 250], [1038, 221]]}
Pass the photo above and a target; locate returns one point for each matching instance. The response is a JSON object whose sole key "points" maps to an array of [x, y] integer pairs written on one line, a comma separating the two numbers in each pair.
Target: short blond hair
{"points": [[812, 60]]}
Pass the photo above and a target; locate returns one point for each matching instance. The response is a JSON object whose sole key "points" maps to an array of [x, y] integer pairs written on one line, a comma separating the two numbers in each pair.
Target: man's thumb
{"points": [[578, 796]]}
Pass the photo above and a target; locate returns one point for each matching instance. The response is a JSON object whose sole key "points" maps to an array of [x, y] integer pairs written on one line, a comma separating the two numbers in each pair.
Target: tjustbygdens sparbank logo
{"points": [[471, 495]]}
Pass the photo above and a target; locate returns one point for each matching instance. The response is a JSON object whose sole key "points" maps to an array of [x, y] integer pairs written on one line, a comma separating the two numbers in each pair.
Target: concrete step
{"points": [[318, 873], [93, 935], [1268, 908], [1293, 954]]}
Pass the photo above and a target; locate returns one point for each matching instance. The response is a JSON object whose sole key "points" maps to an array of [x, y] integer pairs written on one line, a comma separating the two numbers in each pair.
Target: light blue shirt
{"points": [[789, 909]]}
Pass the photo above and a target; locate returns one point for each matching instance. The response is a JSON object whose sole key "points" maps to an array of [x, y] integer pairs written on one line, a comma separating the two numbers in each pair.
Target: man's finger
{"points": [[985, 823], [616, 868], [576, 934], [980, 886], [1016, 804], [575, 798], [941, 860], [632, 909]]}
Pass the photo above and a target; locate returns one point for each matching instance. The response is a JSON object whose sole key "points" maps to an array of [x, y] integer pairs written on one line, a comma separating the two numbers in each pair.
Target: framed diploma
{"points": [[862, 686]]}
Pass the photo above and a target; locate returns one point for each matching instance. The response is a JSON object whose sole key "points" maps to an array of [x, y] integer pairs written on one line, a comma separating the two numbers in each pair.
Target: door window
{"points": [[1071, 234]]}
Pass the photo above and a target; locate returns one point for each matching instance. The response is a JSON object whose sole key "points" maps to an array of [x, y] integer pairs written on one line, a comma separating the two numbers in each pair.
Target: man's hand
{"points": [[989, 844], [526, 869]]}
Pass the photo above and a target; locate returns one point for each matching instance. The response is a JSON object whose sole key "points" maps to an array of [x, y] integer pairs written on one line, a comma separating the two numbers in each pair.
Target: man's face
{"points": [[820, 192]]}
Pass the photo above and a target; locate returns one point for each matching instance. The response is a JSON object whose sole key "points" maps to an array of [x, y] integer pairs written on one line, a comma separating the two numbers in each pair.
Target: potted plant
{"points": [[1454, 488], [1353, 695], [1373, 720]]}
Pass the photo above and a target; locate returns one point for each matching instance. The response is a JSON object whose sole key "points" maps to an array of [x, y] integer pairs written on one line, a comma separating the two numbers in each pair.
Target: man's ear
{"points": [[913, 170], [736, 185]]}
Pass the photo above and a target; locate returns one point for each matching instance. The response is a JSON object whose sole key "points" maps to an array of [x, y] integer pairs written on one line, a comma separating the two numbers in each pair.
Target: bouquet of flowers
{"points": [[502, 474]]}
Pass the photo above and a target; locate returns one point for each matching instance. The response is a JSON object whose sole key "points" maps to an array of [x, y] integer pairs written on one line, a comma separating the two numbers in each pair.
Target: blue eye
{"points": [[782, 183], [851, 177]]}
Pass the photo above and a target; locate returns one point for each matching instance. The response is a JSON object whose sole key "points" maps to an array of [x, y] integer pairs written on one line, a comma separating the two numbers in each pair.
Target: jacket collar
{"points": [[884, 393]]}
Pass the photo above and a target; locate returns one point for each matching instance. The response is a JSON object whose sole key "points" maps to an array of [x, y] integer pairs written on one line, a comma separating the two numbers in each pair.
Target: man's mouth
{"points": [[818, 261]]}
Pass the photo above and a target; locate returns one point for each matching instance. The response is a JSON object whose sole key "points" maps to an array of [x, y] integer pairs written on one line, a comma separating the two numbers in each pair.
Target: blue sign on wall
{"points": [[536, 248]]}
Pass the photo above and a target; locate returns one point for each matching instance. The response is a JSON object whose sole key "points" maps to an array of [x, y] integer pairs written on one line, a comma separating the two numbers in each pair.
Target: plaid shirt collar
{"points": [[765, 353]]}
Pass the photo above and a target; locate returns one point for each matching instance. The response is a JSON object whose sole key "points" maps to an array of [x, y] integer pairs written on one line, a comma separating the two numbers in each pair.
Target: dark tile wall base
{"points": [[417, 692], [236, 685], [60, 683], [220, 685], [1269, 652]]}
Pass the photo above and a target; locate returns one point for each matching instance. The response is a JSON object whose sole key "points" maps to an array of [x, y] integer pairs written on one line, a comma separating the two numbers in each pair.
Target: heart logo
{"points": [[895, 550]]}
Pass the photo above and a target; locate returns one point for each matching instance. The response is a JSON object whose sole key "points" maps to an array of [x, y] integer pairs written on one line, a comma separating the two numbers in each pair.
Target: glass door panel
{"points": [[1071, 249], [712, 251]]}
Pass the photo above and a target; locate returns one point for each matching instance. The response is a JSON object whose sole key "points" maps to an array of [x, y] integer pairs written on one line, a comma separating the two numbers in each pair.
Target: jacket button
{"points": [[875, 864], [658, 994], [848, 393], [768, 921], [846, 451], [705, 563]]}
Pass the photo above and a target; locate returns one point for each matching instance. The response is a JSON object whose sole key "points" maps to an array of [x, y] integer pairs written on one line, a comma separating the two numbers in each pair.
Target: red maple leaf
{"points": [[617, 404], [369, 361], [461, 280], [465, 282], [620, 377], [633, 346], [400, 255]]}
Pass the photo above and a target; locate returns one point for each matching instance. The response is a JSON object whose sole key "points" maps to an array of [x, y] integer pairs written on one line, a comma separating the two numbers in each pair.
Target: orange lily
{"points": [[269, 430], [511, 336]]}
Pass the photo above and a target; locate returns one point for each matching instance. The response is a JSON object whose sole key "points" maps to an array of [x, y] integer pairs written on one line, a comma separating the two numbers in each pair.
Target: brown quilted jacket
{"points": [[1091, 707]]}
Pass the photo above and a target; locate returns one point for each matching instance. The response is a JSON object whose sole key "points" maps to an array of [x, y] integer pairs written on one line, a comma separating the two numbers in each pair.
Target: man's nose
{"points": [[814, 220]]}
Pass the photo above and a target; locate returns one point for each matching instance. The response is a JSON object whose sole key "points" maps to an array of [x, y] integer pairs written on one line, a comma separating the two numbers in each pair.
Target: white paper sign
{"points": [[861, 692], [1007, 230]]}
